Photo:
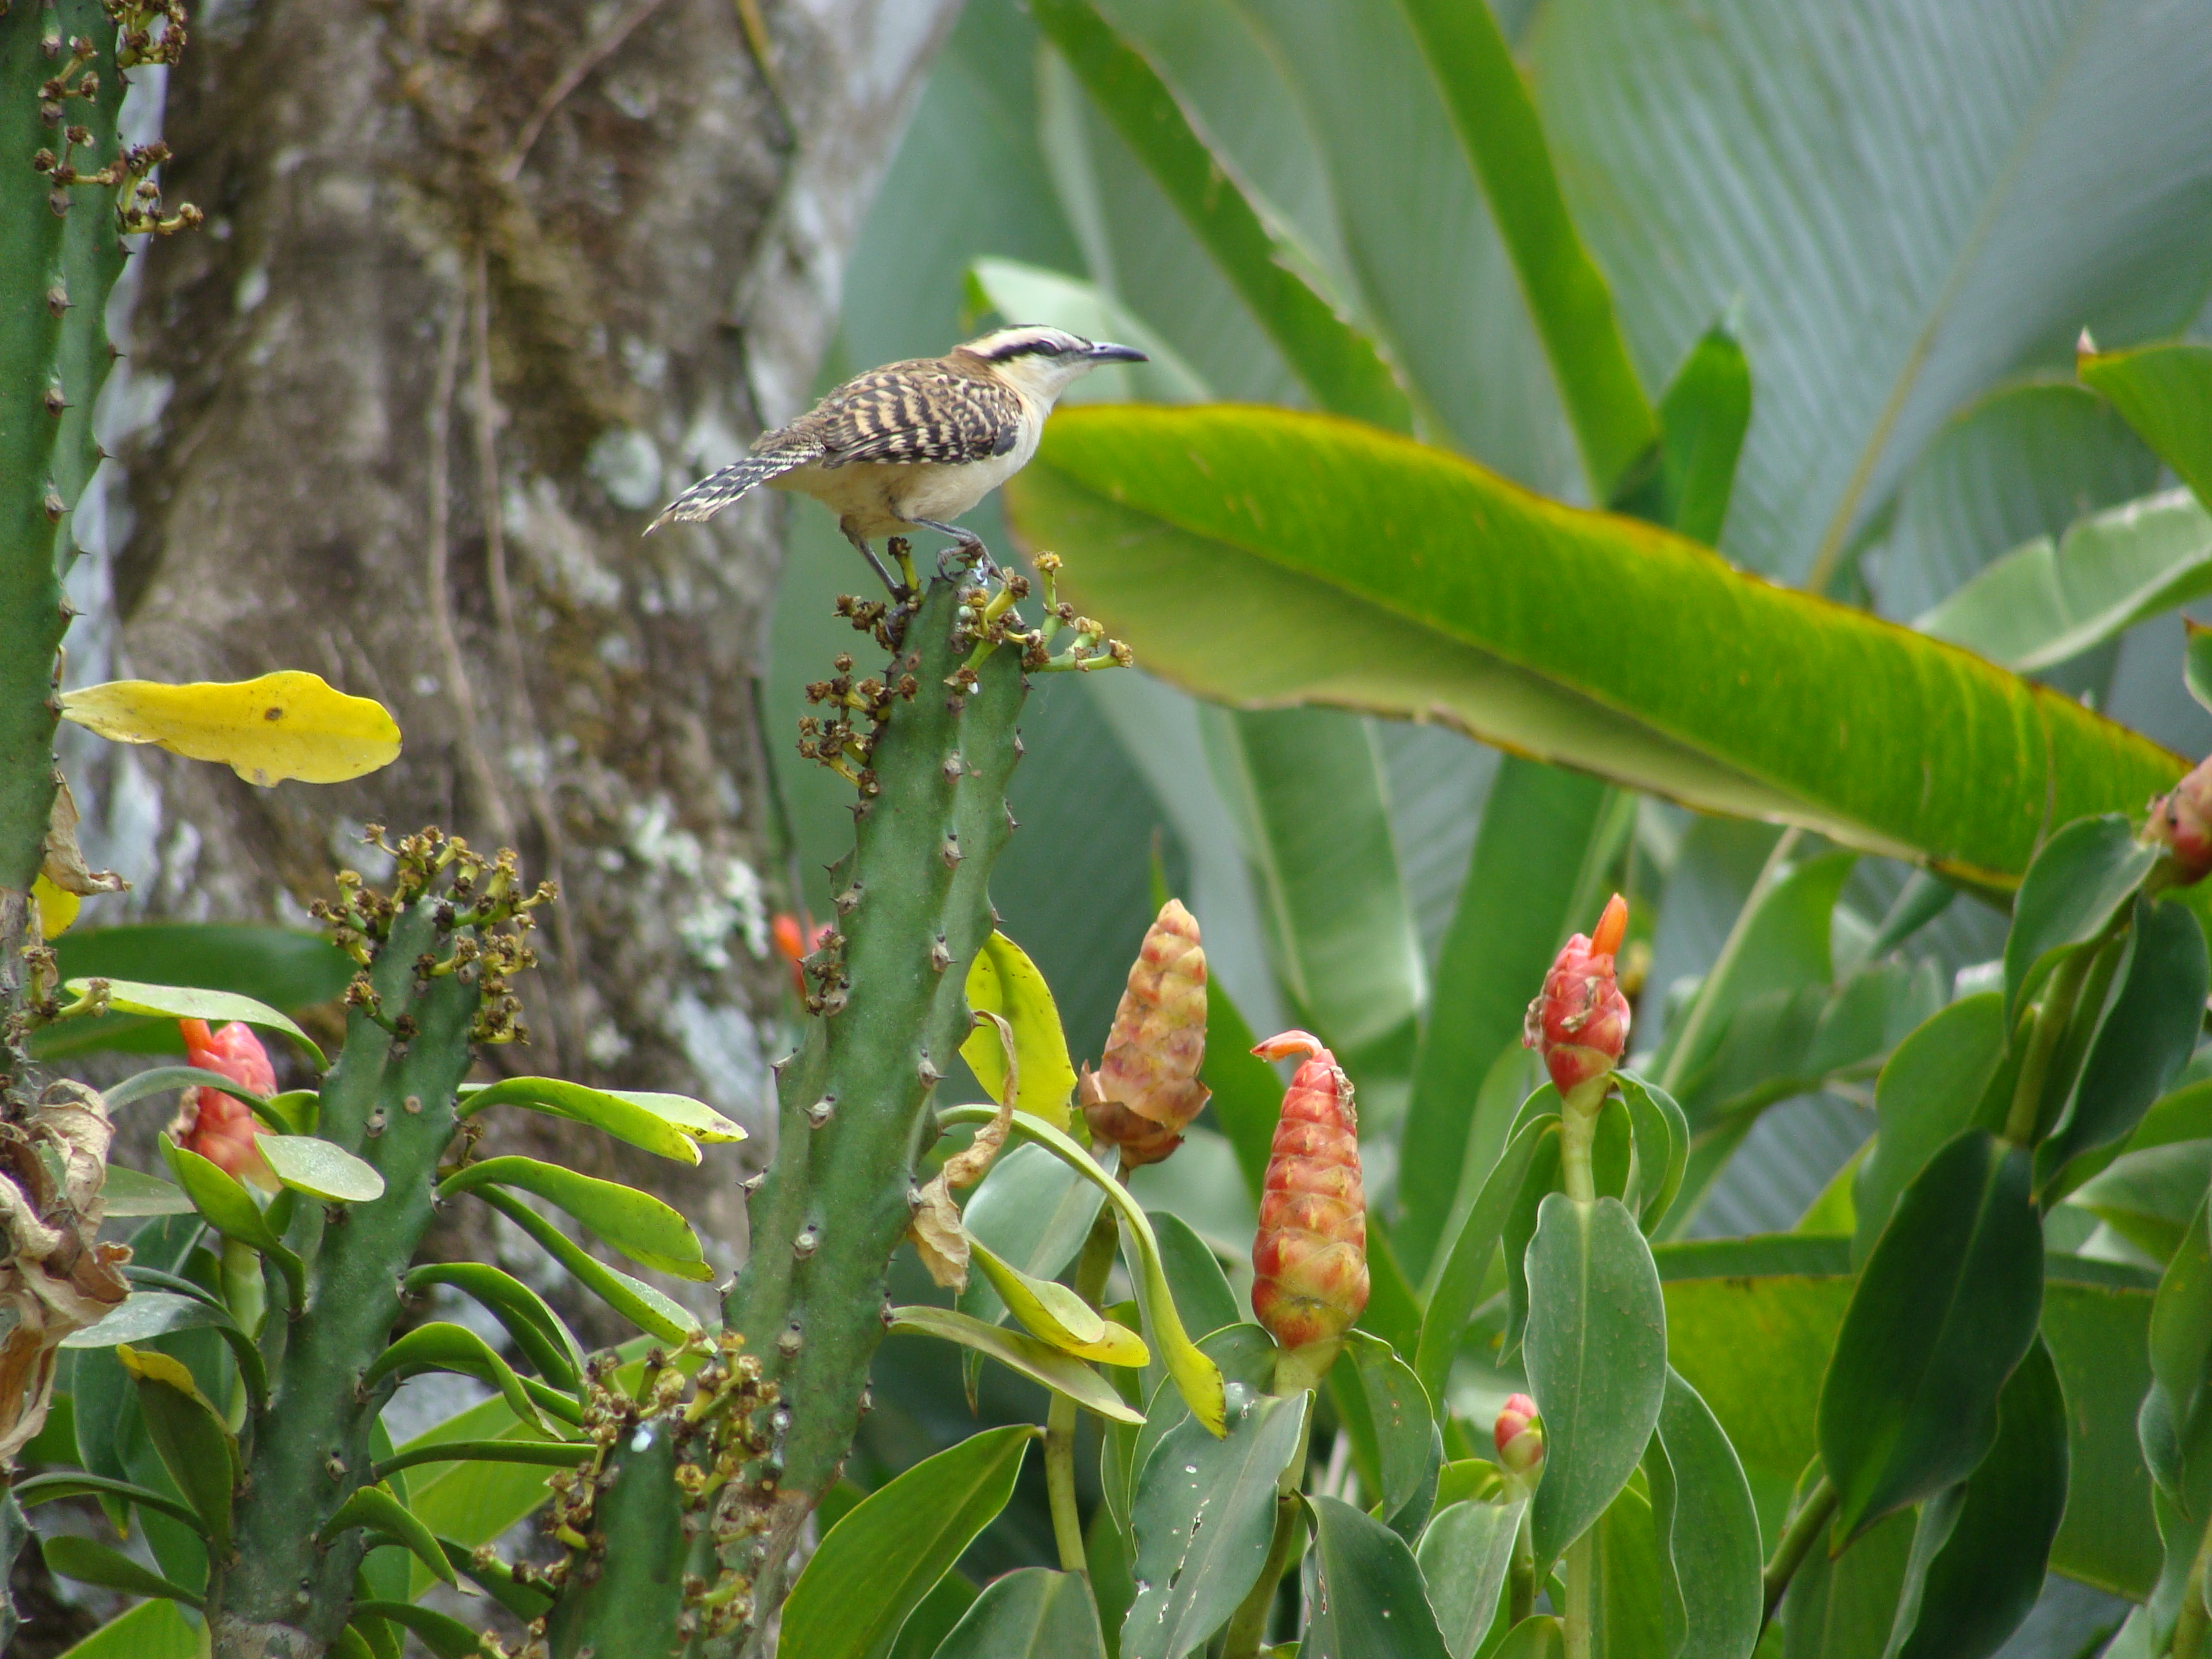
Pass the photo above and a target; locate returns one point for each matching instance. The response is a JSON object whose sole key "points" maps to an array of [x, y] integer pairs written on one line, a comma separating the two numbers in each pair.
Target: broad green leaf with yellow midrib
{"points": [[1266, 557]]}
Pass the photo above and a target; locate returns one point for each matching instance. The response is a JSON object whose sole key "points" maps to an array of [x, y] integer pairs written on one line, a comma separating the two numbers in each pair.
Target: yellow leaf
{"points": [[1002, 981], [57, 907], [286, 725], [1053, 1314]]}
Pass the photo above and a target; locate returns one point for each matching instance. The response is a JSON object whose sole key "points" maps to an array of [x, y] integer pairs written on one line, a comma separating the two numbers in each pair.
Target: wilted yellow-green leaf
{"points": [[57, 907], [1002, 981], [286, 725]]}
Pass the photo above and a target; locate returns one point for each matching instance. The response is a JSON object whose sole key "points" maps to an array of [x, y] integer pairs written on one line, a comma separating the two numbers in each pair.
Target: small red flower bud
{"points": [[1310, 1259], [795, 942], [1579, 1022], [1145, 1091], [221, 1127], [1519, 1438], [2181, 823]]}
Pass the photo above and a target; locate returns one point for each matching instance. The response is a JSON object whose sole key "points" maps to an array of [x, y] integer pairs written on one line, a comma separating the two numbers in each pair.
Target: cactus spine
{"points": [[855, 1099]]}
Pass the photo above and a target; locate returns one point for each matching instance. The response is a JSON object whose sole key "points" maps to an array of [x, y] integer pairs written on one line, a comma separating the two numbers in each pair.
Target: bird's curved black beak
{"points": [[1107, 352]]}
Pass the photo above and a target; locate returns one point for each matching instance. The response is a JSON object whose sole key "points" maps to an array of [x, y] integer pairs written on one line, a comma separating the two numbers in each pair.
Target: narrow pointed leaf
{"points": [[877, 1563], [1702, 421], [1452, 1302], [1597, 1356], [1055, 1315], [1398, 1410], [641, 1226], [638, 1303], [73, 1483], [185, 1002], [1368, 1597], [1033, 1210], [2081, 877], [1947, 1305], [1371, 573], [285, 725], [626, 1117], [375, 1509], [442, 1347], [225, 1205], [1338, 364], [1031, 1613], [535, 1328], [536, 1454], [1203, 1511], [1040, 1363], [70, 1557], [1925, 1094], [448, 1639]]}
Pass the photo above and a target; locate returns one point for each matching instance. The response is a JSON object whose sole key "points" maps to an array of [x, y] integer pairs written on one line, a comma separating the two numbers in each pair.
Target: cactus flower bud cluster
{"points": [[2181, 823], [1519, 1438], [1145, 1091], [1310, 1259], [221, 1127], [1579, 1022]]}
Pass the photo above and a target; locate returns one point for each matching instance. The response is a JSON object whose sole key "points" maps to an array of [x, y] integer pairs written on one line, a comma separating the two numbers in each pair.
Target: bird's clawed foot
{"points": [[968, 551]]}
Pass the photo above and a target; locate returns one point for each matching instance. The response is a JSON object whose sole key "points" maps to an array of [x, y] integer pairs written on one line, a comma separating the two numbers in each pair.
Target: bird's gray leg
{"points": [[970, 547], [899, 592]]}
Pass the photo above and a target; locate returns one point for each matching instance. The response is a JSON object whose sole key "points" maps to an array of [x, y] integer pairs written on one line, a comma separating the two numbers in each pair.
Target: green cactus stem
{"points": [[891, 1010], [390, 1100]]}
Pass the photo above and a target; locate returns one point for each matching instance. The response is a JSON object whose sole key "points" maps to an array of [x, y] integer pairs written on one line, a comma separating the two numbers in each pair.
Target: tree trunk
{"points": [[483, 284]]}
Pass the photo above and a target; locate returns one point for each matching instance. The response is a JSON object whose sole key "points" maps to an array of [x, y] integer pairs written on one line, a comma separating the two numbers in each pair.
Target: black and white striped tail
{"points": [[711, 495]]}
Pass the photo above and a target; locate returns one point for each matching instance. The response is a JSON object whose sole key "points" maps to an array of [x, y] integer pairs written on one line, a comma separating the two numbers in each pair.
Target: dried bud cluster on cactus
{"points": [[2181, 823], [1579, 1022], [1520, 1438], [221, 1127], [1310, 1259], [1145, 1091]]}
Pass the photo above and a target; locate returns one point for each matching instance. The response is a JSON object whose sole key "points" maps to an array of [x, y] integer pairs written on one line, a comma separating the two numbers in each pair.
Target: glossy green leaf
{"points": [[1947, 1304], [1031, 1613], [130, 1193], [1376, 573], [1496, 119], [1203, 1513], [74, 1483], [1339, 365], [1538, 1183], [152, 1630], [68, 1556], [1366, 1596], [877, 1563], [1463, 1555], [929, 1623], [188, 1432], [2081, 877], [535, 1328], [146, 1314], [1662, 1146], [1702, 419], [1925, 1095], [1540, 827], [375, 1509], [2165, 393], [1638, 1608], [320, 1169], [161, 1079], [638, 1224], [534, 1454], [1596, 1357], [184, 1002], [1705, 1528], [1054, 1315], [1339, 924], [442, 1346], [1452, 1300], [628, 1117], [1060, 1372], [2149, 1027], [1979, 1582], [2098, 1338], [2149, 1197], [1194, 1273], [2048, 602], [1397, 1410], [446, 1639], [283, 967], [1245, 1355], [1002, 981], [640, 1304]]}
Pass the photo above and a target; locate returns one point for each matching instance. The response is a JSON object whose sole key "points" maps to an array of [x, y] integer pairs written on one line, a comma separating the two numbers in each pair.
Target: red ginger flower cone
{"points": [[1145, 1091], [1309, 1260], [1579, 1022], [2181, 823], [221, 1127]]}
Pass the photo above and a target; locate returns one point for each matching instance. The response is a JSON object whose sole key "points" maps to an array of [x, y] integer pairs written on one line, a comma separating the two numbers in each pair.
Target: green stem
{"points": [[1091, 1270], [1578, 1114], [2052, 1016], [1798, 1538], [1582, 1594]]}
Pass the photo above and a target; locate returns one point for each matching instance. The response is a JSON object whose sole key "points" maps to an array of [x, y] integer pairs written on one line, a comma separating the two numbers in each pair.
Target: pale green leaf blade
{"points": [[320, 1169]]}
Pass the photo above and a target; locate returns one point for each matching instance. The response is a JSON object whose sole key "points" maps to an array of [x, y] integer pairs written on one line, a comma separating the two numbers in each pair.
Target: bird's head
{"points": [[1042, 361]]}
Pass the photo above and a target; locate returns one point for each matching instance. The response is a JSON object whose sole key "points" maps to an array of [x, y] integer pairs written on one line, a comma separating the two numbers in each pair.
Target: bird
{"points": [[915, 444]]}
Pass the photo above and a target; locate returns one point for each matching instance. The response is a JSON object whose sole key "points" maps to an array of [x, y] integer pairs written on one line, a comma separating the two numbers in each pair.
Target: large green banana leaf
{"points": [[1262, 558]]}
